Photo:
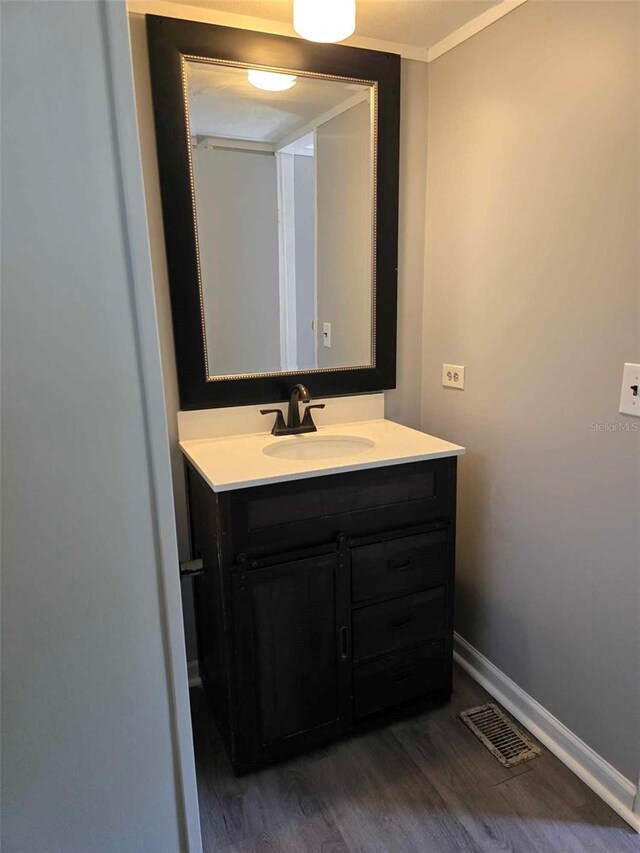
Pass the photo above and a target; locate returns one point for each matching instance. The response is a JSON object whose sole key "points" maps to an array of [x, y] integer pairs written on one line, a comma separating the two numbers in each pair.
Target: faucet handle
{"points": [[307, 420], [279, 424]]}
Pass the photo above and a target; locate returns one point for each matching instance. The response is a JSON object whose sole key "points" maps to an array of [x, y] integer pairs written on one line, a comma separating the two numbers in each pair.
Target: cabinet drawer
{"points": [[399, 565], [399, 679], [309, 500], [281, 517], [393, 625]]}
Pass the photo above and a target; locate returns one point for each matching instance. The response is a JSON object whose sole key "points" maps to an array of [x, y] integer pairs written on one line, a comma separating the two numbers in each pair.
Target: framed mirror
{"points": [[278, 163]]}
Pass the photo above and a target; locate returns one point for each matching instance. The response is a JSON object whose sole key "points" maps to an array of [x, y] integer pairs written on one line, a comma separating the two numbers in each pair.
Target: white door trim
{"points": [[136, 236]]}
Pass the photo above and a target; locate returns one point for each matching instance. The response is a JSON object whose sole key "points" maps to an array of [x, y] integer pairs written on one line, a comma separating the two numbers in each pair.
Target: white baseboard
{"points": [[603, 779], [193, 673]]}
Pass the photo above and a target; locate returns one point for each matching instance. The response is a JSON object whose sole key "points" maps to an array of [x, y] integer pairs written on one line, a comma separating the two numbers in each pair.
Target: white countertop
{"points": [[237, 462]]}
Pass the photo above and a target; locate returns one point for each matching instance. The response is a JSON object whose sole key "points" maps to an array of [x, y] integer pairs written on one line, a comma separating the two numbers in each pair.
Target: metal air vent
{"points": [[499, 734]]}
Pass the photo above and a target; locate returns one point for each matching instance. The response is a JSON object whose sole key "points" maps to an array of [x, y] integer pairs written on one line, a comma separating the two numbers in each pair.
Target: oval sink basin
{"points": [[319, 447]]}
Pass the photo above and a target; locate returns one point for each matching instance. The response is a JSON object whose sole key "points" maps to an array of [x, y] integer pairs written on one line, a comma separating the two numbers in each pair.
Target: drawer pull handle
{"points": [[344, 642], [401, 565], [400, 623], [400, 677]]}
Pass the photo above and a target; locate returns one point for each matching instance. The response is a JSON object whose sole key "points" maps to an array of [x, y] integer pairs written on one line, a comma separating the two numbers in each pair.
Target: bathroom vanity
{"points": [[325, 600], [325, 603]]}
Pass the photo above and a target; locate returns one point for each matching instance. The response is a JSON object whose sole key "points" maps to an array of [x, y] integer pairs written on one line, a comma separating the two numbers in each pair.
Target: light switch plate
{"points": [[326, 335], [453, 376], [630, 392]]}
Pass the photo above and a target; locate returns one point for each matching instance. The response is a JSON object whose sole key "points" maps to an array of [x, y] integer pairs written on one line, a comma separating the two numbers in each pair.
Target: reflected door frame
{"points": [[287, 260]]}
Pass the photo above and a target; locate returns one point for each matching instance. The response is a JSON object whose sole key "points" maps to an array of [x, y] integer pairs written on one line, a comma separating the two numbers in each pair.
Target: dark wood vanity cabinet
{"points": [[325, 604]]}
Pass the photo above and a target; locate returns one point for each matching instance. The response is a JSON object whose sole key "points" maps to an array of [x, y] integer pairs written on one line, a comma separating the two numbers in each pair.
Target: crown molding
{"points": [[475, 25]]}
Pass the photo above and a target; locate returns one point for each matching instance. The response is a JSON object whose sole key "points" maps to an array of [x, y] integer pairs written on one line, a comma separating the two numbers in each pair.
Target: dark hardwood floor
{"points": [[424, 785]]}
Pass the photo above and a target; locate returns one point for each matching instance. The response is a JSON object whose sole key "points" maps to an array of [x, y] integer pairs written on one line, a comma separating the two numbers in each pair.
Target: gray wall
{"points": [[533, 279], [237, 210], [402, 404], [88, 758]]}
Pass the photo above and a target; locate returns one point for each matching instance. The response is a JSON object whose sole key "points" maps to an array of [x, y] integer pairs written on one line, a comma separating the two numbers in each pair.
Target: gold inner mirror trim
{"points": [[374, 219]]}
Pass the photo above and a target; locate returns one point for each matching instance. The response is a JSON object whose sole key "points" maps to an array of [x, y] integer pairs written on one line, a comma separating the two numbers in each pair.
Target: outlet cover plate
{"points": [[630, 391], [453, 376]]}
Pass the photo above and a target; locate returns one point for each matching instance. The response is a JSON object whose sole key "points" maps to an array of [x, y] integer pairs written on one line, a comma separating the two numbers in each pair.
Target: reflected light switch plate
{"points": [[326, 335], [630, 392]]}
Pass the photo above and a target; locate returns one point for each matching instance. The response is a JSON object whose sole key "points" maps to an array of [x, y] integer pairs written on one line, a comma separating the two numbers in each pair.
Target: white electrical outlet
{"points": [[630, 393], [453, 376], [326, 335]]}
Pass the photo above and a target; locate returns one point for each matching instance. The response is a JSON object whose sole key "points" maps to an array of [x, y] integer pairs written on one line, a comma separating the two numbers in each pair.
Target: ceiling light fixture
{"points": [[324, 20], [271, 81]]}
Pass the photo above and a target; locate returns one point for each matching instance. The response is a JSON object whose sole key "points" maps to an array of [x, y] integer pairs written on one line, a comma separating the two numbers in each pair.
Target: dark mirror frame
{"points": [[169, 40]]}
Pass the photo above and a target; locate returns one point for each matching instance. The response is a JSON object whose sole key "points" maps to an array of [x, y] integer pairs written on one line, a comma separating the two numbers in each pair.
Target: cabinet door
{"points": [[297, 649]]}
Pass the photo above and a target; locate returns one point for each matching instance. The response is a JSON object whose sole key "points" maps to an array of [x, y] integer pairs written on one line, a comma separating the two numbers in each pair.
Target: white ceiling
{"points": [[420, 23], [223, 103]]}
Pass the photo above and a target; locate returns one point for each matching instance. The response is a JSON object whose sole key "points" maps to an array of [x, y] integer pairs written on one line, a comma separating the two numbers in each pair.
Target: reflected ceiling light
{"points": [[324, 20], [271, 81]]}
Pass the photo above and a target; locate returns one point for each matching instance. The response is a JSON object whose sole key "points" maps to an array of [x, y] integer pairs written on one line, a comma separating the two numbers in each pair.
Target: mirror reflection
{"points": [[283, 176]]}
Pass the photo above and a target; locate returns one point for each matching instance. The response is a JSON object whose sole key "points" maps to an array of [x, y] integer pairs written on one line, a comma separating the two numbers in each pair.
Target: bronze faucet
{"points": [[293, 425]]}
